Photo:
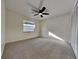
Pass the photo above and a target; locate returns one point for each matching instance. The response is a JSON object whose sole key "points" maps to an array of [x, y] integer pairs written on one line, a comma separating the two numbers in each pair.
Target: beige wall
{"points": [[59, 25], [14, 27], [3, 25]]}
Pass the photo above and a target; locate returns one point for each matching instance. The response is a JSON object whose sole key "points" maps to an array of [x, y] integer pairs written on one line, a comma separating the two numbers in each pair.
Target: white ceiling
{"points": [[55, 7]]}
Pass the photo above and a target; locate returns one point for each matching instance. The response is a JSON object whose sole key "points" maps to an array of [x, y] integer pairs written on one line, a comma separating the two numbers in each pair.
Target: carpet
{"points": [[38, 48]]}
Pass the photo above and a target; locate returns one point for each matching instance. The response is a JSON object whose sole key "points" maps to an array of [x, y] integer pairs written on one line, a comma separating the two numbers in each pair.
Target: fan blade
{"points": [[35, 14], [41, 15], [45, 13], [35, 10], [40, 5], [31, 5], [46, 10], [42, 10]]}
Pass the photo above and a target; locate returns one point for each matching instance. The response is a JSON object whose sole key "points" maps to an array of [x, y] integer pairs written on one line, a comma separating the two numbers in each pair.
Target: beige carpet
{"points": [[39, 48]]}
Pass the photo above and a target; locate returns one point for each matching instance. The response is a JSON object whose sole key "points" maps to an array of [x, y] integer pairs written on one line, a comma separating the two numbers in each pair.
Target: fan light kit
{"points": [[40, 13], [40, 10]]}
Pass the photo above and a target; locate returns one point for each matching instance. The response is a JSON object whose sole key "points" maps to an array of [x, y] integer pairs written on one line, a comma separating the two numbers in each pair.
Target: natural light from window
{"points": [[55, 36], [28, 26]]}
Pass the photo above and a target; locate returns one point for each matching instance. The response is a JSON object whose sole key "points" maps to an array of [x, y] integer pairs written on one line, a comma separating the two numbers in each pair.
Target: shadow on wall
{"points": [[50, 34]]}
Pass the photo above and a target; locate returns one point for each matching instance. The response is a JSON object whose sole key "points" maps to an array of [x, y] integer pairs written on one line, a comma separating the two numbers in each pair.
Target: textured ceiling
{"points": [[55, 7]]}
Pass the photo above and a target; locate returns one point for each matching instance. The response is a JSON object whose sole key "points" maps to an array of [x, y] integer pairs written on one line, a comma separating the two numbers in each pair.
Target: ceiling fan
{"points": [[40, 10]]}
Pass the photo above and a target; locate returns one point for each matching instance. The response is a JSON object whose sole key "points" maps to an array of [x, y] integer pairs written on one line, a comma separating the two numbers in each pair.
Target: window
{"points": [[28, 26]]}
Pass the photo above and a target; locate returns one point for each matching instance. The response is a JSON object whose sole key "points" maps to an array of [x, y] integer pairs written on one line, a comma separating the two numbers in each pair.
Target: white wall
{"points": [[3, 25], [74, 31], [14, 27], [59, 25], [64, 26]]}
